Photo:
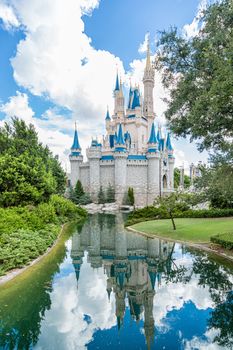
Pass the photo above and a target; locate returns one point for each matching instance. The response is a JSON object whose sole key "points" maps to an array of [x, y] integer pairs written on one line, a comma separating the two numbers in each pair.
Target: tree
{"points": [[110, 196], [131, 196], [101, 196], [216, 183], [168, 204], [79, 191], [29, 173], [198, 72]]}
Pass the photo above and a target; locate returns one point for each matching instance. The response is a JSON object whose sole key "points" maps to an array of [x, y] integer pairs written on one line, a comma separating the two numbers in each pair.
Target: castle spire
{"points": [[76, 145], [148, 63], [152, 139], [117, 86], [168, 143], [120, 139], [107, 115]]}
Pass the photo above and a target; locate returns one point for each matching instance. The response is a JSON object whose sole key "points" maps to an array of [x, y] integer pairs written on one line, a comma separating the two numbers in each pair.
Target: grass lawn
{"points": [[187, 229]]}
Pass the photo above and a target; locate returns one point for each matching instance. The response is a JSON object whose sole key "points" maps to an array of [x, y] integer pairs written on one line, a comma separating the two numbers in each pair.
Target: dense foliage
{"points": [[29, 173], [198, 71], [26, 232], [216, 185]]}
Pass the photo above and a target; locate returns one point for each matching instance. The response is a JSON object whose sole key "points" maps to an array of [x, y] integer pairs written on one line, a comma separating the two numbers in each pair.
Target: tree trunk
{"points": [[173, 222]]}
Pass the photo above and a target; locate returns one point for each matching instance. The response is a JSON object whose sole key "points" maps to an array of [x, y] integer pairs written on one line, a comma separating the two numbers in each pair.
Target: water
{"points": [[105, 288]]}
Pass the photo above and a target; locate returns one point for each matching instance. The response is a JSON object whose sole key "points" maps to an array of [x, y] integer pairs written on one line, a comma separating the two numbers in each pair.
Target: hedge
{"points": [[225, 240], [153, 213]]}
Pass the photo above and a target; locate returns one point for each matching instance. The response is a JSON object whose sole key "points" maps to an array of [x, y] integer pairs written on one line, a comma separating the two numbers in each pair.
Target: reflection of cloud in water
{"points": [[204, 344], [66, 325]]}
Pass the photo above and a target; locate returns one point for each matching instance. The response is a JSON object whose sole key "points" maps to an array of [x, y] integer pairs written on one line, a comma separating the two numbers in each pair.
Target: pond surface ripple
{"points": [[105, 288]]}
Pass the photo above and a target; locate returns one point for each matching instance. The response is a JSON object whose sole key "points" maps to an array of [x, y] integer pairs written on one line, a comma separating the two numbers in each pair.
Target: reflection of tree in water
{"points": [[222, 320], [23, 307], [216, 277]]}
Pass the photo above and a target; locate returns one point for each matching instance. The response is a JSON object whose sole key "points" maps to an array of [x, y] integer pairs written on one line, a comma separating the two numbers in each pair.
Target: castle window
{"points": [[165, 182]]}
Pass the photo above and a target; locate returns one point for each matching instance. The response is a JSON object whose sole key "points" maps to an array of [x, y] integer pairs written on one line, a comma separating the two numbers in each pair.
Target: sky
{"points": [[58, 62]]}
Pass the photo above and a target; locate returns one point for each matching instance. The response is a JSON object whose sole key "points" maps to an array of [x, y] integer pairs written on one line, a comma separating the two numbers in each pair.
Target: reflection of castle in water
{"points": [[133, 264]]}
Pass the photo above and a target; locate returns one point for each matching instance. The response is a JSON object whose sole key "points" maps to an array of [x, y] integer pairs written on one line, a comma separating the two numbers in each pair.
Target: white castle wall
{"points": [[85, 176], [137, 178], [107, 173]]}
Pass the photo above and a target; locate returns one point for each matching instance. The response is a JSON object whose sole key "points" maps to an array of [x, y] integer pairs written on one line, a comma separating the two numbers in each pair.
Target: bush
{"points": [[101, 196], [26, 232], [65, 208], [225, 240], [85, 199]]}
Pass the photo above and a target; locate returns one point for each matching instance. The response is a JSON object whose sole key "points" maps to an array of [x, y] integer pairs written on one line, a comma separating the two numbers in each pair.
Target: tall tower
{"points": [[120, 155], [171, 162], [148, 81], [75, 159], [153, 157], [94, 155], [119, 109]]}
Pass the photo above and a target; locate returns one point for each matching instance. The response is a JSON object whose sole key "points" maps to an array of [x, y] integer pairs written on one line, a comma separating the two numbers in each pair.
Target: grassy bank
{"points": [[188, 229], [27, 232]]}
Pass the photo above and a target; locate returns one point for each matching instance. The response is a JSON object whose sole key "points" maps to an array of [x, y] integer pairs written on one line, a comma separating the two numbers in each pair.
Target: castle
{"points": [[133, 153]]}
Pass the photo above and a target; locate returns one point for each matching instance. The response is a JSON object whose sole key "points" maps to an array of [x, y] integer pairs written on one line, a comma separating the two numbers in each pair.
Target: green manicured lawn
{"points": [[192, 230]]}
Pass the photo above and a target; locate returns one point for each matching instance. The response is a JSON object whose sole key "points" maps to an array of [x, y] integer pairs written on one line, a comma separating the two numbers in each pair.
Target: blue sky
{"points": [[43, 44]]}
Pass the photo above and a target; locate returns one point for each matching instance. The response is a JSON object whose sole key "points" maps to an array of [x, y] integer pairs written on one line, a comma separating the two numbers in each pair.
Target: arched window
{"points": [[164, 181]]}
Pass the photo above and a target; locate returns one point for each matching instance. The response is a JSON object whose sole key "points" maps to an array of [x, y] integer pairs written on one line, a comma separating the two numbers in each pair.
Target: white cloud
{"points": [[191, 30], [18, 107], [143, 46], [8, 16]]}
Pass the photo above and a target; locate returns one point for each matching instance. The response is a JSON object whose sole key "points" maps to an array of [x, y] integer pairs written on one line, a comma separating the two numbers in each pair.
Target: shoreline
{"points": [[201, 246], [11, 274]]}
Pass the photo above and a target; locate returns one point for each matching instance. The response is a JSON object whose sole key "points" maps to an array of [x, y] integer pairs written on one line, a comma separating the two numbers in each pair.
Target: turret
{"points": [[107, 120], [171, 161], [153, 157], [148, 81], [94, 155], [119, 109], [120, 155], [76, 159]]}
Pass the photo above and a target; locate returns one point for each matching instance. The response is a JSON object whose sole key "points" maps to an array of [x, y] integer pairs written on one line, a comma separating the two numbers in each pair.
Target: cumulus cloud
{"points": [[143, 46], [8, 16], [191, 30], [56, 139]]}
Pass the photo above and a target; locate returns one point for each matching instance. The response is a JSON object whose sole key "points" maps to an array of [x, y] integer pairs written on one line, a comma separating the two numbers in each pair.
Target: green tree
{"points": [[198, 72], [131, 196], [101, 196], [110, 196], [216, 184], [29, 173], [168, 204], [78, 191]]}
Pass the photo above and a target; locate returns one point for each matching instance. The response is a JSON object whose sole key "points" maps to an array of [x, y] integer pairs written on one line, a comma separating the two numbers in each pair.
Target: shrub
{"points": [[225, 240], [153, 213], [65, 208], [85, 199], [110, 195], [46, 212], [101, 196]]}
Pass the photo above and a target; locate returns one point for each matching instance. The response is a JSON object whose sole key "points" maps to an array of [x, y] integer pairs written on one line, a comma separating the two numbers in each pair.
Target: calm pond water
{"points": [[104, 288]]}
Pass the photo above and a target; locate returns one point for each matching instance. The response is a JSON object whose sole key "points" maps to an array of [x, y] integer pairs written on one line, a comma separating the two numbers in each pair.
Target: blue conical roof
{"points": [[107, 115], [76, 144], [152, 138], [117, 86], [168, 143], [136, 99], [120, 138]]}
